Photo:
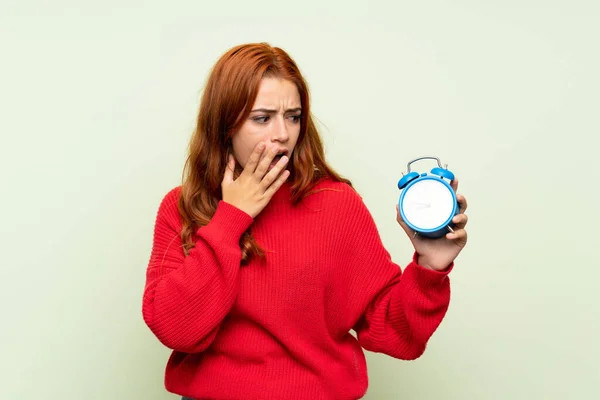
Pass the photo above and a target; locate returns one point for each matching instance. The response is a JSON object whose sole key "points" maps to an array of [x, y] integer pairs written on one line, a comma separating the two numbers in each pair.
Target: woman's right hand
{"points": [[255, 186]]}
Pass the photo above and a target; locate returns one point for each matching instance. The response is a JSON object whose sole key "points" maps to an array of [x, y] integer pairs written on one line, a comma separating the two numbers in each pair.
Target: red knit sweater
{"points": [[281, 329]]}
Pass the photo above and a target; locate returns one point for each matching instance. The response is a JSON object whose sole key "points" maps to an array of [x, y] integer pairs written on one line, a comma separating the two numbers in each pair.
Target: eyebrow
{"points": [[271, 111]]}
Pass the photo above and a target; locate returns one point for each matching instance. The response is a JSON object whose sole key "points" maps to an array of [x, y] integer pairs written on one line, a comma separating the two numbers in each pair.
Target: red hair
{"points": [[226, 102]]}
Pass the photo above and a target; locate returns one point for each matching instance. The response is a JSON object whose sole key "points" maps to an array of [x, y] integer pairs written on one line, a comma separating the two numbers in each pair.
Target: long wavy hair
{"points": [[226, 102]]}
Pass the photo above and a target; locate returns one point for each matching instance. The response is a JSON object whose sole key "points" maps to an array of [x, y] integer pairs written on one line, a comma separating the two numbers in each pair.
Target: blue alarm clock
{"points": [[428, 203]]}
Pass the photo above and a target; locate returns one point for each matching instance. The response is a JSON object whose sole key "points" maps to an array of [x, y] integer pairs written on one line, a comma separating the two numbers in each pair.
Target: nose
{"points": [[280, 131]]}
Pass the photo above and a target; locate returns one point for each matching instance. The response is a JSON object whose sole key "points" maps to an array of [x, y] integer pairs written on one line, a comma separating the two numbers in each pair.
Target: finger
{"points": [[462, 201], [457, 234], [454, 184], [403, 224], [263, 165], [254, 158], [460, 221], [228, 176], [272, 175], [277, 184]]}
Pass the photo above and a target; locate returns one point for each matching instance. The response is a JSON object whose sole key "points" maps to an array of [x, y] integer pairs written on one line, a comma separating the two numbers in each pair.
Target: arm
{"points": [[405, 313], [396, 312], [186, 298]]}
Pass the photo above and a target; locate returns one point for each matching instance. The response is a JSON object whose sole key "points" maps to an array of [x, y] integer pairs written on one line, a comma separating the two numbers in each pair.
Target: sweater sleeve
{"points": [[186, 298], [397, 311]]}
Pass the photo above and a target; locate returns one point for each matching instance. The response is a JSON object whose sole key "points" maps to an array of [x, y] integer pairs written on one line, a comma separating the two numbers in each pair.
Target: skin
{"points": [[275, 120], [272, 128], [438, 254], [254, 173]]}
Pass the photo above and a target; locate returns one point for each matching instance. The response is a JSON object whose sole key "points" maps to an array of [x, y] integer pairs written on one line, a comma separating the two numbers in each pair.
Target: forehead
{"points": [[276, 91]]}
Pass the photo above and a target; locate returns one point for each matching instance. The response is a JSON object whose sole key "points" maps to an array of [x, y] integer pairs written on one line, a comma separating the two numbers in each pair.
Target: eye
{"points": [[296, 118], [261, 119]]}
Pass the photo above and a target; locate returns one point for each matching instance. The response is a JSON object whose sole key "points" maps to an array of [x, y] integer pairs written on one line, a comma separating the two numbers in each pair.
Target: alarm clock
{"points": [[428, 203]]}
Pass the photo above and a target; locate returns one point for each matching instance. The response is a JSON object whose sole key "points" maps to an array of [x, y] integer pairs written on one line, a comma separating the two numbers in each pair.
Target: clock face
{"points": [[428, 204]]}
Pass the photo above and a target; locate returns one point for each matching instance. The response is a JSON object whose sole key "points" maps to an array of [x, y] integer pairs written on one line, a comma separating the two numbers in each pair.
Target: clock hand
{"points": [[427, 205]]}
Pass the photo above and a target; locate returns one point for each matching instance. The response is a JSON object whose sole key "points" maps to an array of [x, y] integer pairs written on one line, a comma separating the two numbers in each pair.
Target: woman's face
{"points": [[274, 119]]}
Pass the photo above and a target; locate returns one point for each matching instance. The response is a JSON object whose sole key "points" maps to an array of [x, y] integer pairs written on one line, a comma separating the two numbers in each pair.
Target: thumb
{"points": [[403, 224], [228, 176]]}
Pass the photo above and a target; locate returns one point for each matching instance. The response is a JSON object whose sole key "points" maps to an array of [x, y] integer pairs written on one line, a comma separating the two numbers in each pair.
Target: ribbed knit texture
{"points": [[281, 329]]}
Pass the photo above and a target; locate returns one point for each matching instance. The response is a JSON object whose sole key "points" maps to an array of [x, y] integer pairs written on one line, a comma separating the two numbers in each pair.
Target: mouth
{"points": [[281, 153]]}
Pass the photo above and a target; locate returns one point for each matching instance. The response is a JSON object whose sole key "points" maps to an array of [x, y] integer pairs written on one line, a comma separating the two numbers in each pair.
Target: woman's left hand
{"points": [[438, 254]]}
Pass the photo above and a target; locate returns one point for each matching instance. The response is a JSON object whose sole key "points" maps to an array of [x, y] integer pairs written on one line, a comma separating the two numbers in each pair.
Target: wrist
{"points": [[428, 264]]}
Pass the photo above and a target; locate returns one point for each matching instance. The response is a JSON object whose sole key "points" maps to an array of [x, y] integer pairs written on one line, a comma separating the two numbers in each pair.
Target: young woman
{"points": [[265, 259]]}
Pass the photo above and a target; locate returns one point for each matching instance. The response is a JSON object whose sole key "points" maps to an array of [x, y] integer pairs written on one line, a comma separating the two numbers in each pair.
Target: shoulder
{"points": [[169, 205], [339, 198], [340, 205], [171, 198], [337, 191]]}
